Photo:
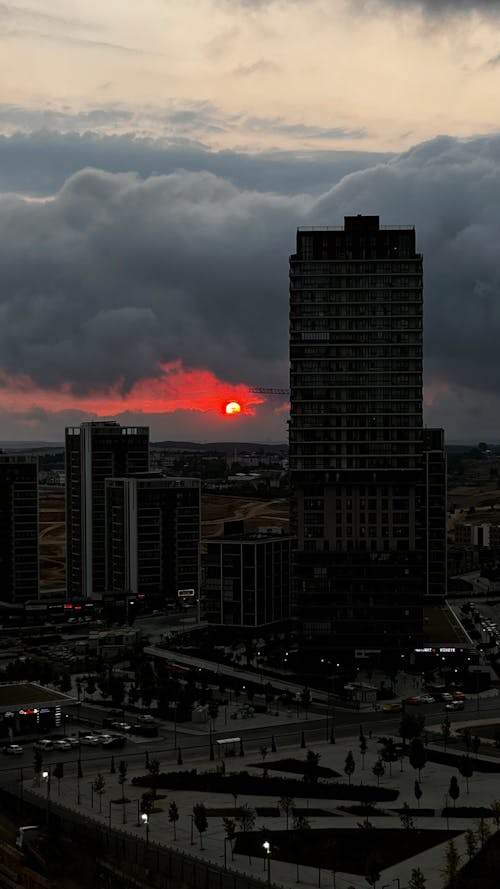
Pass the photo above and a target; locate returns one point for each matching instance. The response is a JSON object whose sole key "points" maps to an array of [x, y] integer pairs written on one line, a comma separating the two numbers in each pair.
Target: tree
{"points": [[470, 843], [454, 789], [286, 804], [407, 821], [378, 770], [417, 756], [451, 864], [301, 824], [483, 831], [58, 774], [362, 748], [349, 766], [389, 753], [99, 788], [230, 830], [263, 752], [213, 712], [495, 811], [173, 816], [372, 875], [476, 744], [417, 790], [112, 768], [446, 730], [122, 776], [65, 683], [200, 820], [465, 769], [467, 736], [147, 802], [246, 818], [153, 768], [411, 726], [312, 767], [417, 879]]}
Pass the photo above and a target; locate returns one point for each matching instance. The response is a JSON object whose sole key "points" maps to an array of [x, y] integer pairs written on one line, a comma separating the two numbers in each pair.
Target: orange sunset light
{"points": [[172, 388]]}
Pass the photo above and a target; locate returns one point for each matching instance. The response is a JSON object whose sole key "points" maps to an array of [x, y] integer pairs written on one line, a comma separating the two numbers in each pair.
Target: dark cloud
{"points": [[435, 8], [118, 273], [306, 131], [39, 163]]}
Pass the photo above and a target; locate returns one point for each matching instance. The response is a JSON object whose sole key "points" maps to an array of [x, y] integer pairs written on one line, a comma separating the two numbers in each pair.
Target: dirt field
{"points": [[215, 510]]}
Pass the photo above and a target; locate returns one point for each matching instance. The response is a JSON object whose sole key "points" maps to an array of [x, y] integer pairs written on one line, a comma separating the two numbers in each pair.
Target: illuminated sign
{"points": [[29, 712], [185, 594], [435, 650]]}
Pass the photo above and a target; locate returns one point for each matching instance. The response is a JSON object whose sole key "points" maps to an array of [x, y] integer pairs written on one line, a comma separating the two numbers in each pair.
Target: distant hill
{"points": [[31, 445], [227, 447]]}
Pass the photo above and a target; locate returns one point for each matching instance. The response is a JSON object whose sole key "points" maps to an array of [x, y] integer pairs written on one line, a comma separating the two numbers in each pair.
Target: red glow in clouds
{"points": [[173, 389]]}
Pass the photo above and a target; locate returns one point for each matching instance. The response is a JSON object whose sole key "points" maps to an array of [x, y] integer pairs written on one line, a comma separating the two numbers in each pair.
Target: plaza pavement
{"points": [[484, 788]]}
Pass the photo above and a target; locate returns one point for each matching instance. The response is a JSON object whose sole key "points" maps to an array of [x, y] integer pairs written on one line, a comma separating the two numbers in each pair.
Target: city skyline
{"points": [[154, 167]]}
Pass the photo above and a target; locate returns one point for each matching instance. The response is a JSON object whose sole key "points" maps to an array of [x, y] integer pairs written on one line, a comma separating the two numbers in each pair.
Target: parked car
{"points": [[123, 726], [413, 699], [145, 717], [63, 744], [458, 696], [13, 750], [113, 741], [427, 699], [454, 705], [392, 708], [90, 740], [446, 696], [73, 740], [44, 744]]}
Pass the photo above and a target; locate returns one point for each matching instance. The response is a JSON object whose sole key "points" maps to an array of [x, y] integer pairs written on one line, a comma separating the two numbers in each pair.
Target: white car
{"points": [[145, 717], [44, 744], [73, 741], [427, 699], [123, 726], [62, 745], [90, 740], [13, 750]]}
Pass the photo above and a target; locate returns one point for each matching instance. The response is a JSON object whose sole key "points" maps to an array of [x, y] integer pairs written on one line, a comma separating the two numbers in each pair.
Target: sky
{"points": [[156, 159]]}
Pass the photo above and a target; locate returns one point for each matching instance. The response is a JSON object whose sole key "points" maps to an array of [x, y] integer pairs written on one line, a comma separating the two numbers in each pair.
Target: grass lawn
{"points": [[438, 627], [346, 850], [26, 693], [294, 767]]}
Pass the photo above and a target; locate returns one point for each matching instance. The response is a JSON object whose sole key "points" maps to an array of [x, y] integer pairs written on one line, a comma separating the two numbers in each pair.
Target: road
{"points": [[195, 747]]}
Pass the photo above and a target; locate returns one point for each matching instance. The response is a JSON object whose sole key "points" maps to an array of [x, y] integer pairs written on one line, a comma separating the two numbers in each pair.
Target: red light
{"points": [[68, 605], [78, 607]]}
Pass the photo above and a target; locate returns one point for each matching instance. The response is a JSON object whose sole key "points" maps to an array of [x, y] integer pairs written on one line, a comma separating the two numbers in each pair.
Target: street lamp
{"points": [[46, 777], [145, 821], [267, 846]]}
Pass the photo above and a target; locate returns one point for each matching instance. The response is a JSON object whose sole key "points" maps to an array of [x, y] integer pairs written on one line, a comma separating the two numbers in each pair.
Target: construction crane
{"points": [[259, 390]]}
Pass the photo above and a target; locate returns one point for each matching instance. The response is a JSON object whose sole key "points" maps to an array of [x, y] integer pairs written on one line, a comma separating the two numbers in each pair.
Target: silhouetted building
{"points": [[94, 452], [19, 562], [360, 464], [153, 536], [247, 578]]}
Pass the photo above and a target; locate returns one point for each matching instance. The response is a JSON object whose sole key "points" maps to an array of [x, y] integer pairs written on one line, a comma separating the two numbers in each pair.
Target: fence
{"points": [[122, 858]]}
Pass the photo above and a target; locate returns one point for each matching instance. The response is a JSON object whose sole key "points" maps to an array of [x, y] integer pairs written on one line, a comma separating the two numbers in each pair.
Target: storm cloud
{"points": [[117, 274]]}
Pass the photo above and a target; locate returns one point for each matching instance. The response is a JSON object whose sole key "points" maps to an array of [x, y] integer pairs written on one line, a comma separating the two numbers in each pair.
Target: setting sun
{"points": [[232, 407]]}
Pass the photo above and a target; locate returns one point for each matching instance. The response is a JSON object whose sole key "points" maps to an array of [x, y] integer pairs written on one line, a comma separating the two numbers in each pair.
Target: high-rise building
{"points": [[94, 452], [247, 577], [153, 536], [359, 461], [19, 561]]}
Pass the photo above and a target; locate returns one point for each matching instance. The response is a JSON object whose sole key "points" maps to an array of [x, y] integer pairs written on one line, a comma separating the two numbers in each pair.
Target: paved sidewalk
{"points": [[435, 783]]}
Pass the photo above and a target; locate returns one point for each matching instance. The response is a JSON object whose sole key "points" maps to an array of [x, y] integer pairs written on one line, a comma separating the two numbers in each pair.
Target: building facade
{"points": [[19, 557], [359, 473], [247, 578], [94, 452], [153, 536]]}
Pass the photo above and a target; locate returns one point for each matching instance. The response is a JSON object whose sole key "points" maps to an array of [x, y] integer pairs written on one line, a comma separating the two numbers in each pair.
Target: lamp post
{"points": [[145, 821], [46, 777], [91, 794], [138, 822], [267, 846]]}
